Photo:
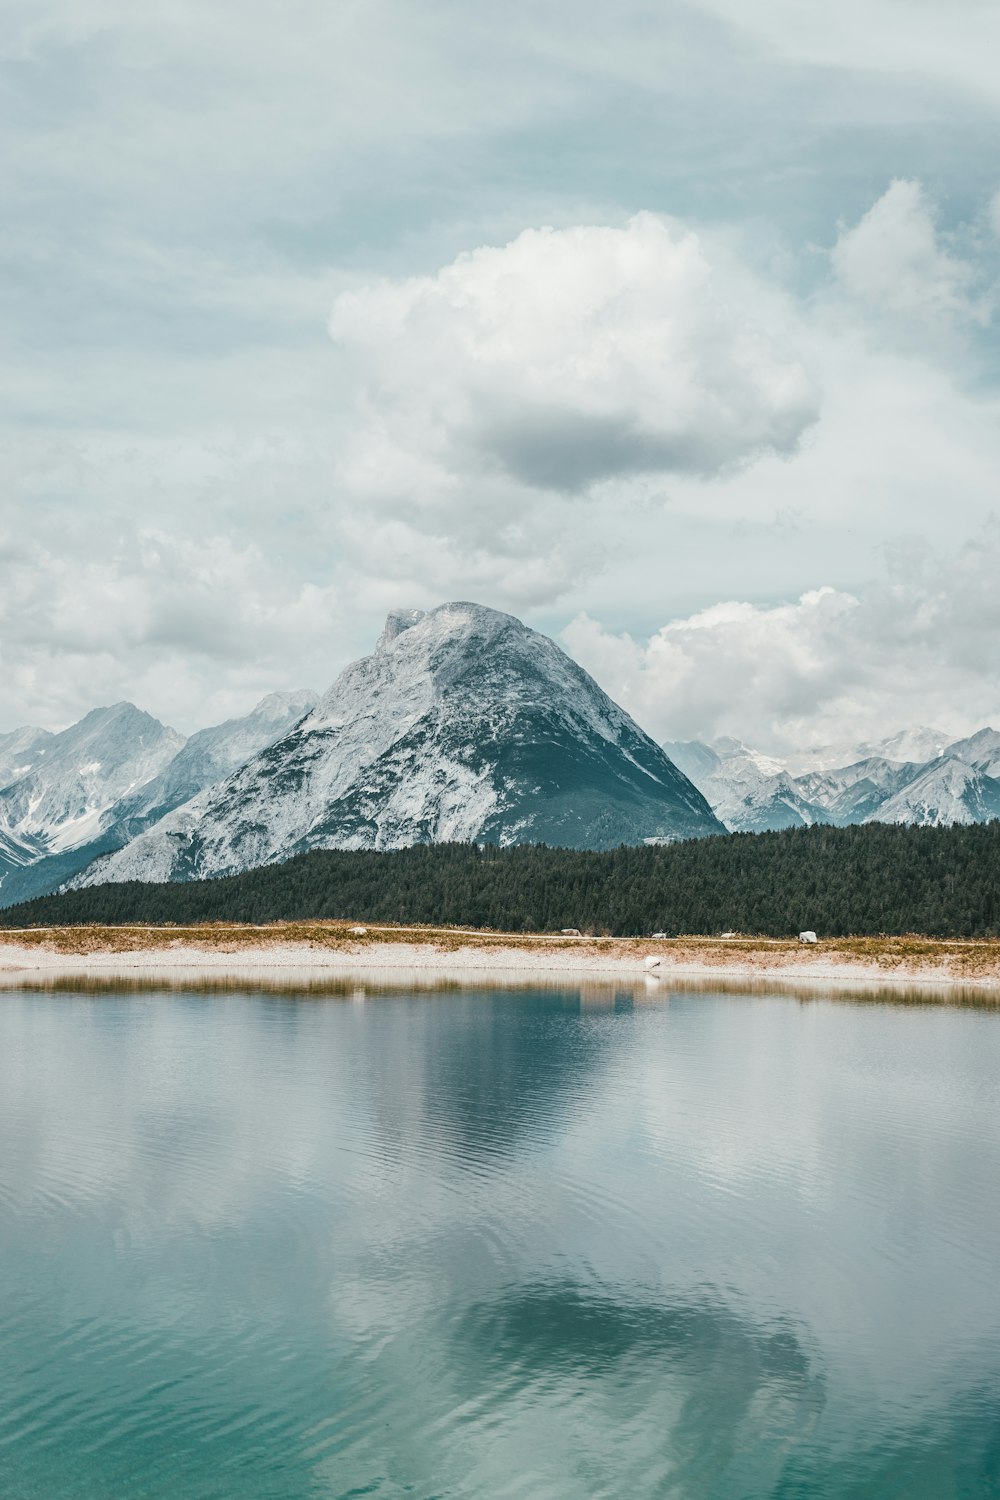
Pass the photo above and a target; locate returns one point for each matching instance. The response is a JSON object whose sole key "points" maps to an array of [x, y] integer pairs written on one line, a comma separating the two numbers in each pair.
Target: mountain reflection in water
{"points": [[497, 1242]]}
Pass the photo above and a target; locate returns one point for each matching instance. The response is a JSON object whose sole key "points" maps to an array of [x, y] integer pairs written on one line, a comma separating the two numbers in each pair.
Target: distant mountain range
{"points": [[67, 798], [463, 724], [956, 782]]}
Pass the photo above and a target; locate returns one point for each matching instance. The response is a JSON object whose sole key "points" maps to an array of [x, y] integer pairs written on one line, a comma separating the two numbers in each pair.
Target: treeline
{"points": [[866, 880]]}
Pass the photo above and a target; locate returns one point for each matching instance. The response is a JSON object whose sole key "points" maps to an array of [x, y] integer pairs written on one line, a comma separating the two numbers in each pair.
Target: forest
{"points": [[856, 881]]}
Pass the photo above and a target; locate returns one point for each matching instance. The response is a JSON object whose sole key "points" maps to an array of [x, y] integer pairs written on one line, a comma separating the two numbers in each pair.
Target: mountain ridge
{"points": [[60, 815], [461, 723], [961, 784]]}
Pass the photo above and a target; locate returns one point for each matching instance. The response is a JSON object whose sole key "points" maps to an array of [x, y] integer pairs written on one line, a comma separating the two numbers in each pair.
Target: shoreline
{"points": [[309, 952]]}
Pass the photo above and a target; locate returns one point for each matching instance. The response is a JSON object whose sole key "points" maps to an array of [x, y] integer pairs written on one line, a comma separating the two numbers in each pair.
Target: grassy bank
{"points": [[906, 955]]}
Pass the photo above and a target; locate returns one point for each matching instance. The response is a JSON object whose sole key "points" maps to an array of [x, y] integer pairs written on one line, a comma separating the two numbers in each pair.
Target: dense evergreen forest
{"points": [[871, 879]]}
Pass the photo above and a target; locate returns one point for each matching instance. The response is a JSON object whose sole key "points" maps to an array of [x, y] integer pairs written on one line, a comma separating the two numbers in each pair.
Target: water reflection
{"points": [[497, 1243], [706, 1395], [597, 992]]}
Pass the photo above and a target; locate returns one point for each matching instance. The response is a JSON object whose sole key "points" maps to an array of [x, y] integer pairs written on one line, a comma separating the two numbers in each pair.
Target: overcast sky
{"points": [[668, 327]]}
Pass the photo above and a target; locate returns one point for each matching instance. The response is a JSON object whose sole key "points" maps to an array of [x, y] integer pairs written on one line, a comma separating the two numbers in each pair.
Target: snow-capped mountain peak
{"points": [[749, 792], [21, 750], [908, 745], [462, 723], [63, 799], [104, 780], [211, 754], [980, 750], [947, 790], [958, 783]]}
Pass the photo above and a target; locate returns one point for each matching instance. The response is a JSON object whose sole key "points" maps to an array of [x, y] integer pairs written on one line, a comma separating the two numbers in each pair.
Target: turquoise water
{"points": [[497, 1243]]}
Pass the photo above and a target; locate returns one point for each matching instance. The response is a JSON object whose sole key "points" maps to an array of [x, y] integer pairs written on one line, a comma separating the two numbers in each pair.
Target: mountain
{"points": [[946, 791], [463, 724], [210, 755], [981, 751], [854, 793], [20, 752], [39, 854], [915, 746], [958, 783], [63, 800], [748, 792]]}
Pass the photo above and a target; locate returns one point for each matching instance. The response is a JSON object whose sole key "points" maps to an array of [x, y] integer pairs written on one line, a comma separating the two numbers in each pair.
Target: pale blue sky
{"points": [[205, 496]]}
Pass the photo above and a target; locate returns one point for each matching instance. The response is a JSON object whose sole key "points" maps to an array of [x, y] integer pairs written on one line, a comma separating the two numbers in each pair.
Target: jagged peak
{"points": [[114, 713], [124, 708], [396, 621], [24, 730], [278, 705], [458, 618]]}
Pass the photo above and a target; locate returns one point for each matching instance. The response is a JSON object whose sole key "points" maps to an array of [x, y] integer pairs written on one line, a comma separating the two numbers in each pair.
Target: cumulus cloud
{"points": [[559, 361], [208, 514], [572, 419], [194, 630], [897, 265], [920, 645]]}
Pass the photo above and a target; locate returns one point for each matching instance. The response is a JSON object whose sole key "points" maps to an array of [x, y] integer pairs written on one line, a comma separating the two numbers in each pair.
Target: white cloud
{"points": [[159, 619], [189, 187], [921, 646], [896, 265], [557, 362], [536, 429]]}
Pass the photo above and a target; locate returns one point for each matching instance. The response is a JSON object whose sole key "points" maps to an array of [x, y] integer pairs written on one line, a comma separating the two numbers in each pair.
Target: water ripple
{"points": [[477, 1244]]}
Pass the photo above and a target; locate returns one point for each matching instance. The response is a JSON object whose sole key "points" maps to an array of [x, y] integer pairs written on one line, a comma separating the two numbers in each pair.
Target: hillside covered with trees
{"points": [[866, 880]]}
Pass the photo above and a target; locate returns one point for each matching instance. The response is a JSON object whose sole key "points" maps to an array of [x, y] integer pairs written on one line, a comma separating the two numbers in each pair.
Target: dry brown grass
{"points": [[939, 957]]}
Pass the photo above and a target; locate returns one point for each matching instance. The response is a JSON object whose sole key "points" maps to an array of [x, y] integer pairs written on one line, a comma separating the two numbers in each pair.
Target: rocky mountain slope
{"points": [[462, 724], [209, 756]]}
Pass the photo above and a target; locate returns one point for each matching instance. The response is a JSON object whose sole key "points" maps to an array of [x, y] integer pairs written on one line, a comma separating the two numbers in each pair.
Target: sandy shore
{"points": [[292, 953]]}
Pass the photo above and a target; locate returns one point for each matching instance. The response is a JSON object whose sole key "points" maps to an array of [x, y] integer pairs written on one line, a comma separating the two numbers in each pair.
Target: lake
{"points": [[550, 1242]]}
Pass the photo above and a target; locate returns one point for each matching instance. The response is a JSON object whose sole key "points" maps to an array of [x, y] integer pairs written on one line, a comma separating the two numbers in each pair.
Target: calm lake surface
{"points": [[498, 1243]]}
